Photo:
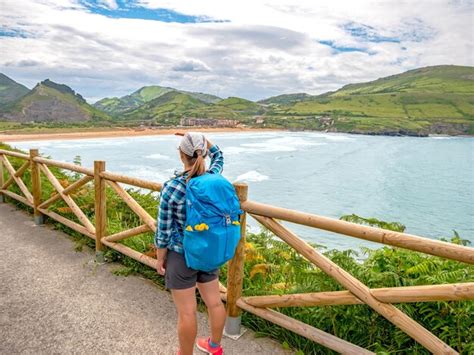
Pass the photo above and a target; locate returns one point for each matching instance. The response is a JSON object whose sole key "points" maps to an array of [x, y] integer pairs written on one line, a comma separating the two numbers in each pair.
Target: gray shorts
{"points": [[179, 277]]}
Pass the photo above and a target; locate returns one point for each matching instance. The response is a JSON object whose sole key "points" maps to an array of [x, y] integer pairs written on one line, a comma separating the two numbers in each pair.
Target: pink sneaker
{"points": [[203, 345]]}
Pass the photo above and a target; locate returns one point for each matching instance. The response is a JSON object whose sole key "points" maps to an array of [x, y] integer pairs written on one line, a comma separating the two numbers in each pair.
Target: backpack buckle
{"points": [[227, 219]]}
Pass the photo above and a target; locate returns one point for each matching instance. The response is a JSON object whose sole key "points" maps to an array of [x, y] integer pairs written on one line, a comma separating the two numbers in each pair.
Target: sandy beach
{"points": [[119, 132]]}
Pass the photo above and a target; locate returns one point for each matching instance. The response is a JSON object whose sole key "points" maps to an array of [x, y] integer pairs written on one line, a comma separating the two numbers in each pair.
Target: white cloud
{"points": [[191, 65], [266, 48], [111, 4]]}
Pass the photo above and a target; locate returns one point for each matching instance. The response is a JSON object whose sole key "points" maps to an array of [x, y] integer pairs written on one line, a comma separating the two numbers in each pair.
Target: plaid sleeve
{"points": [[165, 214], [217, 160], [172, 193]]}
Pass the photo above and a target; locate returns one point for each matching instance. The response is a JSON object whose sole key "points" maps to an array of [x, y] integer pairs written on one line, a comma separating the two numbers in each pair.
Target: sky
{"points": [[246, 48]]}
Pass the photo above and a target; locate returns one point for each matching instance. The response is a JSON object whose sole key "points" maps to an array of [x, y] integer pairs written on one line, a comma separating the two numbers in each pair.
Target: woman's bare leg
{"points": [[185, 301], [210, 294]]}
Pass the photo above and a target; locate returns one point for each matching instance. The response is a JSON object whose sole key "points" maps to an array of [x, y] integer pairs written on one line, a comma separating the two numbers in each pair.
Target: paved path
{"points": [[54, 300]]}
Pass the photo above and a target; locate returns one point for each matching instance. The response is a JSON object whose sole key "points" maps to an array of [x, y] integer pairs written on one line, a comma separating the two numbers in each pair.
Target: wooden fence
{"points": [[381, 300]]}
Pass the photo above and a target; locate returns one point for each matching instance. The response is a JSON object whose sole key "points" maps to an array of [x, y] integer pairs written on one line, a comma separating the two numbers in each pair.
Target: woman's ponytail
{"points": [[199, 166]]}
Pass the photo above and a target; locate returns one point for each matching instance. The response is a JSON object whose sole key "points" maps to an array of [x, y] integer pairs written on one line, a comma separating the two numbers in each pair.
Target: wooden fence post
{"points": [[36, 187], [100, 210], [235, 273], [2, 197]]}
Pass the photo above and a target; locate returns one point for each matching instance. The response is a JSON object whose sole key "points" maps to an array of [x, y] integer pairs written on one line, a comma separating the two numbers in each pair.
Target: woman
{"points": [[181, 280]]}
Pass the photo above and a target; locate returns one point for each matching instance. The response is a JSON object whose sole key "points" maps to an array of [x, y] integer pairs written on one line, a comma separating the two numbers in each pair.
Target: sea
{"points": [[427, 184]]}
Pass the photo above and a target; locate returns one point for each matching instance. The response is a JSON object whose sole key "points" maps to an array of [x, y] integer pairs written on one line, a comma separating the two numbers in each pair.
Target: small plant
{"points": [[374, 222]]}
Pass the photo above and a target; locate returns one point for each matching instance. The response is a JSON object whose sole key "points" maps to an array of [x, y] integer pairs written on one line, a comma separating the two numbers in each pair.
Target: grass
{"points": [[422, 101], [435, 79]]}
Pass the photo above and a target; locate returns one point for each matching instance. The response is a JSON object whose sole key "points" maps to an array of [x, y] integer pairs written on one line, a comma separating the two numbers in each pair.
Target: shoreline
{"points": [[116, 133], [130, 132]]}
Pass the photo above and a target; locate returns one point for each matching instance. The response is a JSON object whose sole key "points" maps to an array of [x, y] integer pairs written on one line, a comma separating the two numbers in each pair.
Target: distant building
{"points": [[208, 122], [325, 121], [259, 120]]}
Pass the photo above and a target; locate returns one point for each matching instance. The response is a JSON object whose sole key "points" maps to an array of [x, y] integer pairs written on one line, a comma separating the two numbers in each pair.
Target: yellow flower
{"points": [[261, 269], [280, 286], [236, 223], [201, 227], [189, 228], [251, 253]]}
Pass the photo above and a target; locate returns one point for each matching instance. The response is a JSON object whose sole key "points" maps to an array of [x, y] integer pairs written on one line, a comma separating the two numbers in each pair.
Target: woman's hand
{"points": [[161, 260], [209, 144], [160, 267]]}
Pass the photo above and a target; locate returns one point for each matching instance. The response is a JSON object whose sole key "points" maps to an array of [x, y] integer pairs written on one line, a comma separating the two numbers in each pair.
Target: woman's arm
{"points": [[217, 158], [163, 230]]}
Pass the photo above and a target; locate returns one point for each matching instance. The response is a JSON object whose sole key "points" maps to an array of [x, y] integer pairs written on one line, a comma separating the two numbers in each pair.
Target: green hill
{"points": [[437, 79], [419, 102], [10, 90], [116, 106], [230, 108], [286, 99], [240, 105], [51, 102], [207, 98], [430, 100], [167, 108], [170, 107]]}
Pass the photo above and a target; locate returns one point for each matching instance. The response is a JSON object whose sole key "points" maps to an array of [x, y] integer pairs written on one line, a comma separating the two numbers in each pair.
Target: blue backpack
{"points": [[212, 229]]}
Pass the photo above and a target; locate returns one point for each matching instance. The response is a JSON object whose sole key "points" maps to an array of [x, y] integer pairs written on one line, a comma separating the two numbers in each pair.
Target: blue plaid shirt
{"points": [[172, 211]]}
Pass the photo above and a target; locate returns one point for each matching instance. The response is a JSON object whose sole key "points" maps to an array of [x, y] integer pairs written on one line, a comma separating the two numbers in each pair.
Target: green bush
{"points": [[272, 267]]}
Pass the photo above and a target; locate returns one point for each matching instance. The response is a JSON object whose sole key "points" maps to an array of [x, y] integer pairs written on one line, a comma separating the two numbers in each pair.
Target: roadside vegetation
{"points": [[272, 267]]}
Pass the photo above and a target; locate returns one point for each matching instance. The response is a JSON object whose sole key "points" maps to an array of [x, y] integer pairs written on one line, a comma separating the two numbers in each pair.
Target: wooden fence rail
{"points": [[381, 300]]}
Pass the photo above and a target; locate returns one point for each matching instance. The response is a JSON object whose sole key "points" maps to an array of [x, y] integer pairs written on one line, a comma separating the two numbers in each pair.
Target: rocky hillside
{"points": [[51, 102]]}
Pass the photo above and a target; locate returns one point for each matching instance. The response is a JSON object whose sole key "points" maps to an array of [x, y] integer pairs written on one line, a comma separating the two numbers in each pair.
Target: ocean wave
{"points": [[145, 173], [441, 137], [268, 147], [279, 157], [339, 138], [84, 144], [235, 150], [247, 135], [282, 144], [158, 156], [251, 176], [157, 138]]}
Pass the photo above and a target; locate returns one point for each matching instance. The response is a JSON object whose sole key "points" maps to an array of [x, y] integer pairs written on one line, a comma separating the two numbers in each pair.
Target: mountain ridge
{"points": [[51, 102], [118, 105], [436, 99], [429, 100]]}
